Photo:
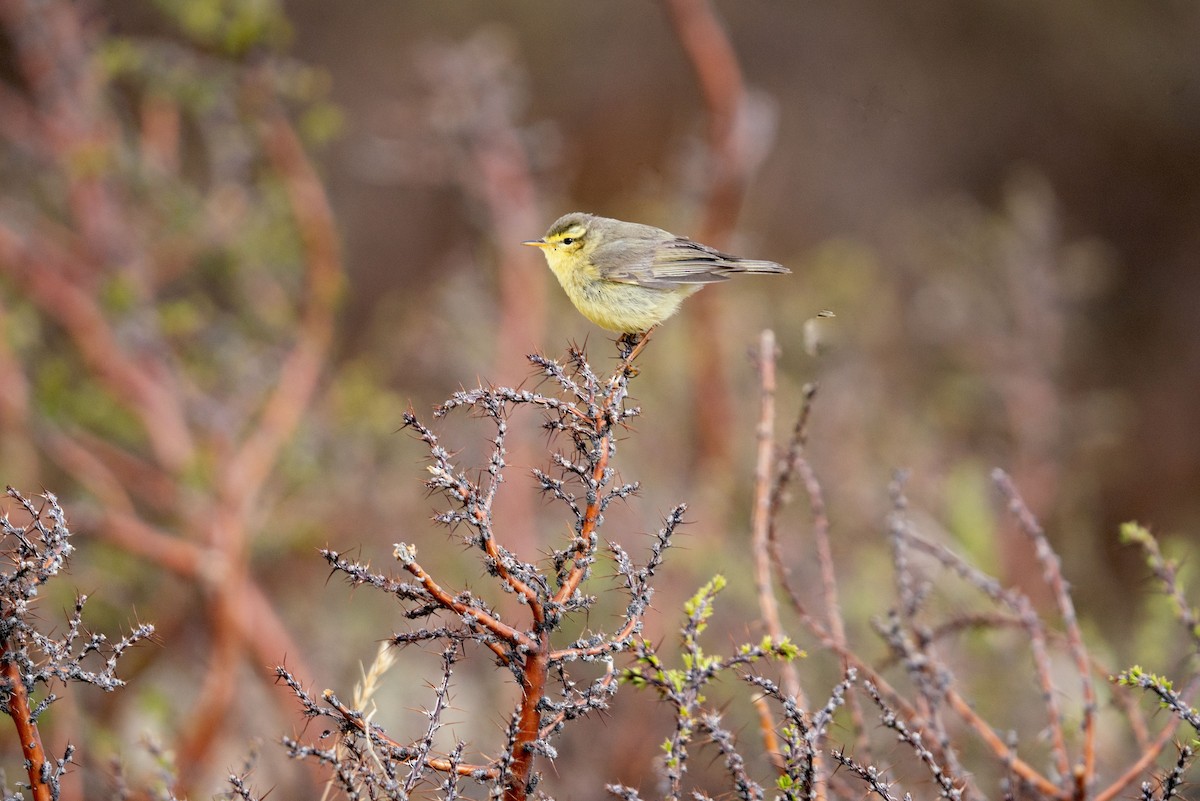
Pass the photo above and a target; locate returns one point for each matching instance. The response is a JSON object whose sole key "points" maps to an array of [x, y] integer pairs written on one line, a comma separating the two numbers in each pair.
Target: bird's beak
{"points": [[536, 243]]}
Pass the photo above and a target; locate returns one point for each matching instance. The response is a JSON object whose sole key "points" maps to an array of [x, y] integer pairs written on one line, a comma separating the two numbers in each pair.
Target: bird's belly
{"points": [[625, 308]]}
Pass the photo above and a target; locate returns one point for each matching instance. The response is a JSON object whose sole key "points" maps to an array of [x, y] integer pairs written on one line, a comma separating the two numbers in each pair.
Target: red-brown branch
{"points": [[1042, 667], [591, 515], [795, 464], [18, 124], [518, 586], [829, 587], [444, 599], [849, 657], [139, 477], [529, 718], [538, 659], [27, 731], [245, 473]]}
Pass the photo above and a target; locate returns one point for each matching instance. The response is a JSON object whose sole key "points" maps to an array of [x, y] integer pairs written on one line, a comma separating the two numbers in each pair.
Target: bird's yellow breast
{"points": [[615, 305]]}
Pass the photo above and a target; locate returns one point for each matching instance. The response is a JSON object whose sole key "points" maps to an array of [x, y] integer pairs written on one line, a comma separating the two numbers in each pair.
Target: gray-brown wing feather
{"points": [[666, 264]]}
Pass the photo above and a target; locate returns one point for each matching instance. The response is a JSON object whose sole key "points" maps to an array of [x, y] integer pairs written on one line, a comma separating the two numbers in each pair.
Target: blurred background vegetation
{"points": [[239, 238]]}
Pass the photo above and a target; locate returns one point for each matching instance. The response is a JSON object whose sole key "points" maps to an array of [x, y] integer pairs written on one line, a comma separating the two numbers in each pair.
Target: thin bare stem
{"points": [[1143, 763], [1052, 573], [1015, 600], [1001, 749], [355, 719], [761, 515]]}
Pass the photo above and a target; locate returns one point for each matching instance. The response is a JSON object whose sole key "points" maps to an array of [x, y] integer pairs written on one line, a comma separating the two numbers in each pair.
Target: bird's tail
{"points": [[758, 266]]}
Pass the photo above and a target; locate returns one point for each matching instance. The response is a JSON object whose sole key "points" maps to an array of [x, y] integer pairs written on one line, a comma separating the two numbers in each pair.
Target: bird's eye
{"points": [[568, 240]]}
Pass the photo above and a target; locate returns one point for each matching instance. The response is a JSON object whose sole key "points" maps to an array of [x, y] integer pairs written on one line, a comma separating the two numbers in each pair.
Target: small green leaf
{"points": [[634, 677], [788, 650], [699, 606], [1132, 533]]}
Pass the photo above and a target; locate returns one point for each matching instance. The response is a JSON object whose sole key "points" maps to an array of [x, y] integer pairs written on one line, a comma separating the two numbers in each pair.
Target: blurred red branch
{"points": [[1019, 766], [17, 123], [257, 622], [38, 264], [197, 737], [251, 464], [507, 188], [719, 77], [796, 463], [140, 478], [302, 367], [714, 62], [55, 57]]}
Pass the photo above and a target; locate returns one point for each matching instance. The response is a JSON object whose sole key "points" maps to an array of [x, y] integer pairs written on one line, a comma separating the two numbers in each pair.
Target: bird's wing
{"points": [[667, 264]]}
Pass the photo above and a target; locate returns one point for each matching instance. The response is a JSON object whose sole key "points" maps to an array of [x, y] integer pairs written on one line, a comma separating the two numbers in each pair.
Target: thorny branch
{"points": [[33, 554], [684, 690], [588, 411], [931, 722]]}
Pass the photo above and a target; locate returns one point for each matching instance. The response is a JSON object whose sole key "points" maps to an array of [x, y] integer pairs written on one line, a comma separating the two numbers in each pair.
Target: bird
{"points": [[628, 277]]}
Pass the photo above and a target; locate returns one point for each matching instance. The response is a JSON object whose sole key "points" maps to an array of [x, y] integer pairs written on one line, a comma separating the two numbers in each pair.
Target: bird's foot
{"points": [[629, 346], [627, 343]]}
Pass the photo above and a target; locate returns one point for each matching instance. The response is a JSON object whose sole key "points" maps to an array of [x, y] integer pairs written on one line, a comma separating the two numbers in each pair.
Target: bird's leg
{"points": [[626, 343], [630, 346]]}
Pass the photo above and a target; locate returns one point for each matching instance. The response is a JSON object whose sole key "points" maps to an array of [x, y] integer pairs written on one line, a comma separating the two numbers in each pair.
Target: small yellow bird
{"points": [[628, 277]]}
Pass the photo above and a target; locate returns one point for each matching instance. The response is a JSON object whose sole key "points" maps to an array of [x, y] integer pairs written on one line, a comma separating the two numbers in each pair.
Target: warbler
{"points": [[629, 277]]}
